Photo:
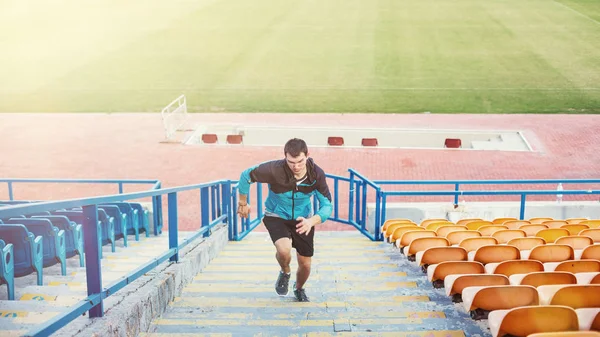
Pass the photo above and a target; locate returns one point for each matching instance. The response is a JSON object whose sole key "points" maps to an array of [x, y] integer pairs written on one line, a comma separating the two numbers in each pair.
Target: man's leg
{"points": [[284, 257], [280, 234], [284, 253], [303, 270], [305, 250]]}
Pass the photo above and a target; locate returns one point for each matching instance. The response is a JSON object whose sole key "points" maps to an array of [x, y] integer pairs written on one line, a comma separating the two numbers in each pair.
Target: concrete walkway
{"points": [[357, 288]]}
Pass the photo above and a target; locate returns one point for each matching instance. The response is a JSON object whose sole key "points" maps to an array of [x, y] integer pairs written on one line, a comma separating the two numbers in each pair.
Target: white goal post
{"points": [[174, 116]]}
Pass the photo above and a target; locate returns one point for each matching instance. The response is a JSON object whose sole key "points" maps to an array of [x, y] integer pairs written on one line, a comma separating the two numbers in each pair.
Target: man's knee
{"points": [[304, 261], [284, 247]]}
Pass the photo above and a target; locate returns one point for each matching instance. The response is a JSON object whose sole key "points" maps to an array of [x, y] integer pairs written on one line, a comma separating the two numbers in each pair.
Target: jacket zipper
{"points": [[293, 194]]}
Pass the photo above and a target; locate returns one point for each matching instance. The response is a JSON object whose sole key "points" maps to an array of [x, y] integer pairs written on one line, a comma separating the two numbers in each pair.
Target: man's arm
{"points": [[261, 173], [324, 198]]}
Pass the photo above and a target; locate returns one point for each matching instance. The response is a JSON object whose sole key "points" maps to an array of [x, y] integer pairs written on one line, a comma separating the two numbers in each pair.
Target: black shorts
{"points": [[280, 228]]}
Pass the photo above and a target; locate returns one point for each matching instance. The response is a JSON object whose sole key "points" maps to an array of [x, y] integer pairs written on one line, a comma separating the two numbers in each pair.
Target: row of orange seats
{"points": [[510, 276]]}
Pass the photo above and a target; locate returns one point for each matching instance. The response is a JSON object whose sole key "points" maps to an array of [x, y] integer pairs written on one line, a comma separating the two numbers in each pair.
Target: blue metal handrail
{"points": [[120, 182], [380, 219], [247, 224], [218, 202], [458, 183], [522, 193], [96, 294], [361, 203]]}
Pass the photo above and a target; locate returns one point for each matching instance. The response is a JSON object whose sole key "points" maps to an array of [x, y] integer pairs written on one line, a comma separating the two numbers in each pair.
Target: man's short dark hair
{"points": [[294, 147]]}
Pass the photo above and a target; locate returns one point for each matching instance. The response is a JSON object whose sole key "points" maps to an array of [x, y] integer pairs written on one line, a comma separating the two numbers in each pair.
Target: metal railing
{"points": [[218, 202], [215, 204], [240, 227], [10, 182], [156, 184], [382, 196]]}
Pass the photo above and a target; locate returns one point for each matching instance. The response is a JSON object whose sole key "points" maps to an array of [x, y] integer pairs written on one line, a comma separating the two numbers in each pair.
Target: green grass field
{"points": [[442, 56]]}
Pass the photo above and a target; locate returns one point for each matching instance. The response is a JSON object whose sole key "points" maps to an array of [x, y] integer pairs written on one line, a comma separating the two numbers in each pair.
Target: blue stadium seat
{"points": [[120, 220], [73, 235], [77, 217], [6, 219], [38, 213], [143, 218], [54, 240], [133, 224], [27, 249], [7, 268]]}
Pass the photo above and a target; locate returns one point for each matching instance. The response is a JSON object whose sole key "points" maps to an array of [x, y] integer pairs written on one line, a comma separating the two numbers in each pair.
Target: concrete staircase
{"points": [[357, 288], [37, 304]]}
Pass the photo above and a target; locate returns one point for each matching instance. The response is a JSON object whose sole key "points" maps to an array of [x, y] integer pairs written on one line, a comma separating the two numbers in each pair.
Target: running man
{"points": [[289, 215]]}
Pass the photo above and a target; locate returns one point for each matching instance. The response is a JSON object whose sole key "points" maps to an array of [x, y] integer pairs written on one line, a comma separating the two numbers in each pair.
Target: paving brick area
{"points": [[128, 146]]}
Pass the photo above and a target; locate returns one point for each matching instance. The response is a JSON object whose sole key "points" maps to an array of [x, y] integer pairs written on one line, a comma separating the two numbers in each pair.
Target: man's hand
{"points": [[243, 210], [304, 226]]}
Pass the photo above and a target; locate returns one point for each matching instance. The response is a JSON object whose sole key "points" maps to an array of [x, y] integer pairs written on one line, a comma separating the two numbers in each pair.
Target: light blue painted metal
{"points": [[365, 179], [352, 189], [363, 218], [155, 214], [501, 192], [336, 205], [120, 182], [486, 182], [93, 302], [522, 208], [259, 202], [456, 188], [10, 191], [93, 268], [213, 204], [17, 210], [377, 234], [204, 209], [172, 200]]}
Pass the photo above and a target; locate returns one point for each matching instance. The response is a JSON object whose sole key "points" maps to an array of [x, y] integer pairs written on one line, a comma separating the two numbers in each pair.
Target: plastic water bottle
{"points": [[559, 196]]}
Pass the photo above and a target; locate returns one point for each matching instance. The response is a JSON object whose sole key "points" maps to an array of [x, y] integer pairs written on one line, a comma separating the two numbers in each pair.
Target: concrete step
{"points": [[356, 286], [36, 304]]}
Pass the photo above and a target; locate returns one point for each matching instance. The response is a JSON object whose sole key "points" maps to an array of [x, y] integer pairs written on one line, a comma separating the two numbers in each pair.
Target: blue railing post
{"points": [[120, 188], [259, 201], [10, 191], [377, 215], [456, 189], [226, 202], [363, 210], [351, 198], [155, 214], [93, 270], [246, 221], [204, 210], [234, 216], [218, 201], [172, 200], [522, 211], [336, 205], [160, 214], [213, 203], [358, 202], [383, 207]]}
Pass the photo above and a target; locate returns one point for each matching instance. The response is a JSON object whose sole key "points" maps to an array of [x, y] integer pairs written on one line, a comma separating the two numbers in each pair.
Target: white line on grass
{"points": [[576, 11]]}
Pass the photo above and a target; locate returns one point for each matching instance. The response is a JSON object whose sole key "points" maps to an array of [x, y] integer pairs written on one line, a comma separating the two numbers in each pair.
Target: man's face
{"points": [[296, 164]]}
